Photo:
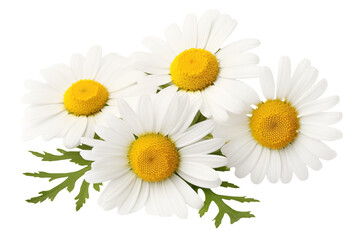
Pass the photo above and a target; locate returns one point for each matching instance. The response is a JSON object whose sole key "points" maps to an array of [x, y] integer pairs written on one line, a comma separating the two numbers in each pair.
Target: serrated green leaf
{"points": [[223, 208], [68, 183], [73, 156], [84, 147], [226, 184], [222, 169], [96, 186], [83, 195], [70, 178]]}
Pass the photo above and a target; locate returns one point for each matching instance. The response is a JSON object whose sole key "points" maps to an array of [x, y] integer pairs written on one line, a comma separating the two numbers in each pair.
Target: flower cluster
{"points": [[158, 127]]}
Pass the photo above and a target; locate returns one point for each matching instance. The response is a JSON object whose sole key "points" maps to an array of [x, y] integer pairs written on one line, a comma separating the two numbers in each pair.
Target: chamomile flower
{"points": [[149, 153], [283, 134], [73, 99], [193, 62]]}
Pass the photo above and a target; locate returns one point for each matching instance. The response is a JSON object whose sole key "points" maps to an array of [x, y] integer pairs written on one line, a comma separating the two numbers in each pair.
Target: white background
{"points": [[37, 34]]}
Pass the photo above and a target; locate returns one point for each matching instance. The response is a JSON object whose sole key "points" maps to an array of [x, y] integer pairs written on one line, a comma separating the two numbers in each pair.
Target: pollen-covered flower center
{"points": [[194, 69], [85, 97], [153, 157], [274, 124]]}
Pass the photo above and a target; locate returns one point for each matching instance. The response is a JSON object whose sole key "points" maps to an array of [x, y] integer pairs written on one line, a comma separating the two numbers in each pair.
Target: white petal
{"points": [[194, 133], [175, 38], [306, 156], [150, 59], [198, 171], [60, 76], [119, 126], [296, 164], [162, 101], [90, 141], [116, 190], [190, 31], [112, 65], [131, 200], [90, 127], [188, 111], [34, 112], [259, 171], [244, 92], [190, 196], [199, 182], [118, 77], [314, 93], [321, 118], [92, 62], [146, 114], [216, 111], [286, 172], [302, 67], [204, 27], [320, 132], [245, 167], [151, 69], [318, 105], [43, 97], [305, 83], [284, 78], [224, 99], [267, 83], [161, 201], [143, 196], [54, 126], [274, 170], [129, 116], [212, 161], [175, 199], [220, 31], [172, 115], [239, 60], [203, 147], [237, 47], [112, 136], [72, 138], [159, 48], [242, 152], [103, 174], [77, 65], [246, 71]]}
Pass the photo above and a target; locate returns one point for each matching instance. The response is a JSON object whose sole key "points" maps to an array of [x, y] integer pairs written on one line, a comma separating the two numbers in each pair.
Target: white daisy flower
{"points": [[283, 134], [73, 99], [149, 153], [192, 61]]}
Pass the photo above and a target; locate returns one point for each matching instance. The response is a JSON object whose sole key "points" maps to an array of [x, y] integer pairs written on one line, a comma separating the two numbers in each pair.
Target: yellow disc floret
{"points": [[274, 124], [194, 69], [85, 97], [153, 157]]}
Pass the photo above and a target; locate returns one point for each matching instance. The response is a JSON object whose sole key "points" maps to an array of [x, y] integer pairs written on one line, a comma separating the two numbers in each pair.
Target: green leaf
{"points": [[96, 186], [84, 147], [83, 195], [223, 208], [68, 183], [73, 156], [227, 184], [70, 178], [198, 118], [222, 169]]}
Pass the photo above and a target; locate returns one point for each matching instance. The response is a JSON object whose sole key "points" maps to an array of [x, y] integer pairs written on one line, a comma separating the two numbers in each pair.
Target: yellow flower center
{"points": [[153, 157], [194, 69], [274, 124], [85, 97]]}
